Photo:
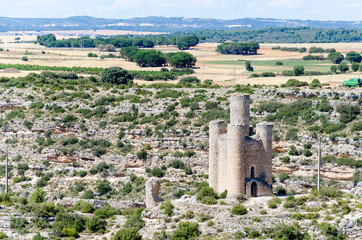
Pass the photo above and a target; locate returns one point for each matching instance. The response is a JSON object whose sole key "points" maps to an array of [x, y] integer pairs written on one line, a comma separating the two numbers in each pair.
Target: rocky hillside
{"points": [[80, 152]]}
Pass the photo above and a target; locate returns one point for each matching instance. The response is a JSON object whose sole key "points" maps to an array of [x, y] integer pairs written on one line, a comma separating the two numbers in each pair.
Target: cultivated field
{"points": [[223, 69]]}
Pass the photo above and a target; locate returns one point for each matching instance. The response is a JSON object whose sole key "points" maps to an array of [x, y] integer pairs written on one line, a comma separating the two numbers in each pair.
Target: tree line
{"points": [[248, 48], [155, 58], [110, 43], [280, 35]]}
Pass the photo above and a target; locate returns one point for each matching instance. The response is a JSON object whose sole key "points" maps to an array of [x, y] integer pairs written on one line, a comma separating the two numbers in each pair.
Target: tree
{"points": [[336, 57], [116, 75], [182, 60], [184, 43], [129, 52], [343, 67], [355, 67], [354, 57], [334, 69], [298, 70], [149, 58], [248, 66]]}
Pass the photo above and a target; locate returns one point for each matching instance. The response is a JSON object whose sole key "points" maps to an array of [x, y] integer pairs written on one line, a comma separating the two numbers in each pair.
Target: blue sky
{"points": [[222, 9]]}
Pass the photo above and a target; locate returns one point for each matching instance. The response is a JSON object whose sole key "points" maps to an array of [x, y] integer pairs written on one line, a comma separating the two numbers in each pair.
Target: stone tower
{"points": [[238, 162]]}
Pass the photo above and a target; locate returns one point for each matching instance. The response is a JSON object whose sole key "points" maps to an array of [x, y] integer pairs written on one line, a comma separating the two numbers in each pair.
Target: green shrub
{"points": [[294, 83], [135, 220], [167, 207], [330, 232], [84, 207], [282, 231], [283, 176], [104, 187], [142, 154], [37, 237], [273, 203], [292, 134], [88, 194], [207, 195], [69, 232], [238, 209], [331, 192], [37, 196], [130, 233], [96, 224], [186, 230]]}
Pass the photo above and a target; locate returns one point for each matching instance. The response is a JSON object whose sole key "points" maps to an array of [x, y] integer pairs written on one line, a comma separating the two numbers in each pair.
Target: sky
{"points": [[221, 9]]}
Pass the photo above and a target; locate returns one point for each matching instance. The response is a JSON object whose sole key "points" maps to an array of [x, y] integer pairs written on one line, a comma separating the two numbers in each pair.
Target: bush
{"points": [[207, 195], [167, 207], [330, 232], [189, 80], [186, 230], [135, 220], [273, 203], [104, 187], [238, 209], [348, 112], [156, 172], [292, 134], [130, 233], [116, 75], [282, 231], [294, 83], [142, 154], [283, 176], [84, 207], [315, 84], [37, 196], [70, 232], [37, 237], [95, 224]]}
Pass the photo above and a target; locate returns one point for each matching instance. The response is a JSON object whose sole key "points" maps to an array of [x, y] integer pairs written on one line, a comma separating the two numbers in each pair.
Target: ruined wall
{"points": [[216, 128]]}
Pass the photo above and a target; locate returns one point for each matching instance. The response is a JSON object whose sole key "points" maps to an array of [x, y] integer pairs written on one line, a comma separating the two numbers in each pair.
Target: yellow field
{"points": [[205, 53]]}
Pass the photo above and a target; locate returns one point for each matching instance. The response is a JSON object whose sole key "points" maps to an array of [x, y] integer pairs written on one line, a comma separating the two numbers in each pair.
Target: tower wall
{"points": [[223, 163], [236, 161], [240, 111], [264, 131], [216, 128]]}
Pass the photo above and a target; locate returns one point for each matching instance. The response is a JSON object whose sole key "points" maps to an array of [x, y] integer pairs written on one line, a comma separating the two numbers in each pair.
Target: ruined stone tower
{"points": [[238, 162]]}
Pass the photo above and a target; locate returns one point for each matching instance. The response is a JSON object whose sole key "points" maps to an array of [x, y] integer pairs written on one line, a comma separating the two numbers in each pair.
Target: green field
{"points": [[316, 65]]}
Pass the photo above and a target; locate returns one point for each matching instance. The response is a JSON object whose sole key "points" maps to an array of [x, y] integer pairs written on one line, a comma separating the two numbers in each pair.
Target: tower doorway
{"points": [[254, 189], [252, 172]]}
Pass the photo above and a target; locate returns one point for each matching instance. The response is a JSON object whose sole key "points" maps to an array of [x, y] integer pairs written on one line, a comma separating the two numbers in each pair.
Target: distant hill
{"points": [[163, 24]]}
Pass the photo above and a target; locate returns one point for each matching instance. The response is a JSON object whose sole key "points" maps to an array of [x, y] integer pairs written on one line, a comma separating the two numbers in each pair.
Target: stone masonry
{"points": [[238, 162], [153, 186]]}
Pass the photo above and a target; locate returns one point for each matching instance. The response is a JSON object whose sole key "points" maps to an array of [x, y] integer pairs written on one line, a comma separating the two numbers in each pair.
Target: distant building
{"points": [[238, 162]]}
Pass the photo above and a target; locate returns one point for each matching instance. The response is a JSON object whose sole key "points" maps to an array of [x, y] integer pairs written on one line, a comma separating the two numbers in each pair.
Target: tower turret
{"points": [[236, 161], [239, 111]]}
